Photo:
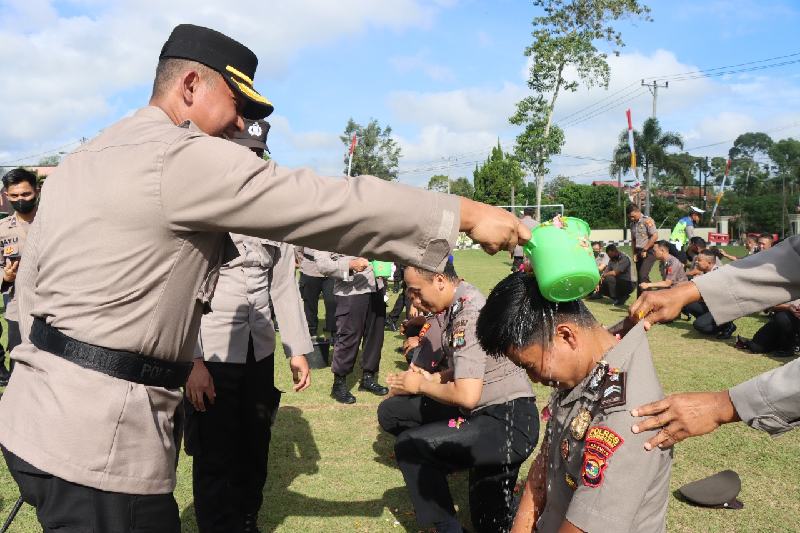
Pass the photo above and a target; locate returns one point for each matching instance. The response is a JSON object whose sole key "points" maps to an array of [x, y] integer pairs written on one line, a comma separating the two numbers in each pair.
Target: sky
{"points": [[445, 74]]}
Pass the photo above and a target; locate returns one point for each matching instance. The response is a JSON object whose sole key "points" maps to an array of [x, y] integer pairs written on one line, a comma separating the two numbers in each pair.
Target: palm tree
{"points": [[651, 146]]}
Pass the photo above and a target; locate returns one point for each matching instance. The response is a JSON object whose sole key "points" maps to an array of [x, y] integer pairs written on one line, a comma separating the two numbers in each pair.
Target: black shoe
{"points": [[5, 375], [250, 523], [391, 325], [726, 331], [370, 384], [339, 391], [595, 296]]}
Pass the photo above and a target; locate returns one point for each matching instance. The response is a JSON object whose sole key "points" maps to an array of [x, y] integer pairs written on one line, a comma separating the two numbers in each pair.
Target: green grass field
{"points": [[332, 470]]}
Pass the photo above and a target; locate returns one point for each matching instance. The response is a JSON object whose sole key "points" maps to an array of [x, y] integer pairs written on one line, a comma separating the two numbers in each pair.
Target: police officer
{"points": [[312, 284], [529, 222], [643, 236], [478, 415], [671, 269], [21, 191], [615, 281], [684, 228], [360, 316], [591, 474], [770, 401], [231, 399], [121, 262]]}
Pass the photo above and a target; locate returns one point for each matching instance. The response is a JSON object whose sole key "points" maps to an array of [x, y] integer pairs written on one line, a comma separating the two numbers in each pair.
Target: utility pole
{"points": [[653, 88], [449, 159]]}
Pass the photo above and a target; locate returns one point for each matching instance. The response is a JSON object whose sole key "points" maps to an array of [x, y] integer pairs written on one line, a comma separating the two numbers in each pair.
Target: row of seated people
{"points": [[781, 333]]}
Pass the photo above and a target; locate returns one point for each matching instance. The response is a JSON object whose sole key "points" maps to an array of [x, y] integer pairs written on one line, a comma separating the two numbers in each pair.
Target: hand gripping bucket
{"points": [[562, 260], [382, 269]]}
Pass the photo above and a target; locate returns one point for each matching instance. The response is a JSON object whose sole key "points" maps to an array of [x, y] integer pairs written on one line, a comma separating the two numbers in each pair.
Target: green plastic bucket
{"points": [[382, 269], [562, 260]]}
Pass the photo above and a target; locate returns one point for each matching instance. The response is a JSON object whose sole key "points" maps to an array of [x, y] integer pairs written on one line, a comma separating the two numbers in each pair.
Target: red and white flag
{"points": [[353, 144]]}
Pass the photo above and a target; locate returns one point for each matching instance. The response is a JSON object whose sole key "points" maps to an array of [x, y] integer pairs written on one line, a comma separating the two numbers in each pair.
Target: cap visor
{"points": [[250, 143], [256, 106]]}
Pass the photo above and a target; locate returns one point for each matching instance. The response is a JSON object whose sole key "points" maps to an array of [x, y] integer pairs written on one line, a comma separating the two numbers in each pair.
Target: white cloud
{"points": [[61, 73], [419, 62]]}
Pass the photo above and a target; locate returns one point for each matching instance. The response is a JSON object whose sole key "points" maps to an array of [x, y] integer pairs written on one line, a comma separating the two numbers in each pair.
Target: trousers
{"points": [[66, 507], [399, 304], [780, 333], [616, 289], [359, 317], [230, 443], [310, 289], [703, 319], [491, 444], [643, 267]]}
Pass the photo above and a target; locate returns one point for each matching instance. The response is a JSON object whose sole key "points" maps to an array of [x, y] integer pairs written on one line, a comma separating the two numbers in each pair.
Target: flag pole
{"points": [[721, 189], [353, 144]]}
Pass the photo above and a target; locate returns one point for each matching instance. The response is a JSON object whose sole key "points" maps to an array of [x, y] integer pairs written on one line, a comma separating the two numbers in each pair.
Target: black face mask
{"points": [[24, 206], [595, 253]]}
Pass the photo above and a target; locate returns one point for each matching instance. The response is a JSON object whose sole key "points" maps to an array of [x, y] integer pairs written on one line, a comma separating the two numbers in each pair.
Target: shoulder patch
{"points": [[601, 443], [613, 392], [649, 222]]}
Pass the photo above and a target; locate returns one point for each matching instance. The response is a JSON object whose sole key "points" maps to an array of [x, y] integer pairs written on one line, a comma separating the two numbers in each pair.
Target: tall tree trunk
{"points": [[540, 166]]}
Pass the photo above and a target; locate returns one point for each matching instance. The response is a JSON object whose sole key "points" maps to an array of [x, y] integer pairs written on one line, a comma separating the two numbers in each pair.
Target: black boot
{"points": [[725, 331], [339, 391], [250, 523], [370, 384]]}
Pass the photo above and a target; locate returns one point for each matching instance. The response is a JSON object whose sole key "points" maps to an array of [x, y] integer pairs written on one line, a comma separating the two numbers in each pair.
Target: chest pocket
{"points": [[226, 252]]}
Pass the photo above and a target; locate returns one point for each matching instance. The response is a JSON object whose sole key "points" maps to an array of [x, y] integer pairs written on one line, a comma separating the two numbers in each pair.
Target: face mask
{"points": [[24, 206], [595, 253]]}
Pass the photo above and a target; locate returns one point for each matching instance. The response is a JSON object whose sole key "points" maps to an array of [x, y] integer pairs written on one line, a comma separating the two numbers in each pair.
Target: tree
{"points": [[750, 176], [552, 187], [462, 187], [596, 205], [651, 145], [494, 179], [564, 41], [49, 161], [438, 183], [377, 153]]}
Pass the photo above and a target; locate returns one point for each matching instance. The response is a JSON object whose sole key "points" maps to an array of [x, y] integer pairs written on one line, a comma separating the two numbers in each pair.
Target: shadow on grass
{"points": [[293, 453]]}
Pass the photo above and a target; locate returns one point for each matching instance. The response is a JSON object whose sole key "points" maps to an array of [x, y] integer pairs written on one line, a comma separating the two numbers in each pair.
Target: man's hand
{"points": [[643, 254], [404, 383], [199, 385], [409, 344], [359, 264], [684, 415], [494, 228], [300, 372], [10, 270], [663, 306], [645, 285]]}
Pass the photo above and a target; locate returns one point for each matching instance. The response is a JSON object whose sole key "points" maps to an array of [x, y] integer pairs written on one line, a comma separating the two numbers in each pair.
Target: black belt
{"points": [[120, 364]]}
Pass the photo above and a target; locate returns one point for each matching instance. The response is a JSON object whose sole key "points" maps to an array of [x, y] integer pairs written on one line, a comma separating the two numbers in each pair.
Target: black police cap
{"points": [[717, 491], [254, 134], [233, 60]]}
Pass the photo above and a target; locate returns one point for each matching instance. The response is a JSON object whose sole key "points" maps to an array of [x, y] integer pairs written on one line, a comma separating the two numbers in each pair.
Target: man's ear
{"points": [[440, 284], [190, 81], [566, 333]]}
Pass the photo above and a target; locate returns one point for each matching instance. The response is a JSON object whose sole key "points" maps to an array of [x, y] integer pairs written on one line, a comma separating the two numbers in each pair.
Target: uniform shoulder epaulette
{"points": [[612, 393]]}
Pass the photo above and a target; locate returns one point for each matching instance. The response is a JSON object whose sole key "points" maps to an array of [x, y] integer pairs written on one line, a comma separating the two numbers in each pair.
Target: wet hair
{"points": [[711, 253], [611, 248], [698, 241], [516, 315], [169, 68], [17, 176], [449, 272], [632, 208], [663, 244]]}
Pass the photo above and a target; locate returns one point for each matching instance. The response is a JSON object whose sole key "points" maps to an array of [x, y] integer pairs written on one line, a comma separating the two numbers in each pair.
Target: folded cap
{"points": [[233, 60], [717, 491], [254, 134]]}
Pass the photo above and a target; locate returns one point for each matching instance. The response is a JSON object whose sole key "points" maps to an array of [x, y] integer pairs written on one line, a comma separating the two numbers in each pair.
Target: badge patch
{"points": [[571, 483], [613, 393], [601, 443], [579, 424], [597, 376], [546, 413], [564, 449]]}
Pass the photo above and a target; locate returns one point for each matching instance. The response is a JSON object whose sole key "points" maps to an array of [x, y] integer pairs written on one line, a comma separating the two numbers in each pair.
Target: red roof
{"points": [[611, 183]]}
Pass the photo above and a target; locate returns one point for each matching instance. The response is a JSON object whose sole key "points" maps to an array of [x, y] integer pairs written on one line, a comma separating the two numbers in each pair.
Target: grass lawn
{"points": [[332, 470]]}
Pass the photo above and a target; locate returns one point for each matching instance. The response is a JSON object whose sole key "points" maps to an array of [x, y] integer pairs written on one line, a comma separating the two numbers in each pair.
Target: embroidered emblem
{"points": [[601, 443], [613, 394], [596, 378], [255, 130], [579, 424], [546, 413], [564, 449]]}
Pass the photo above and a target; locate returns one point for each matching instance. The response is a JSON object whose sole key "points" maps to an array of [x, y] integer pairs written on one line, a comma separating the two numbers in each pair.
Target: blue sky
{"points": [[444, 74]]}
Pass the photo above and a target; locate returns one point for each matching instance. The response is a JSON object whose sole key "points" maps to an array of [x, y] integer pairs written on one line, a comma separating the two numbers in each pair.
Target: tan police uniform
{"points": [[491, 441], [312, 284], [230, 439], [124, 253], [672, 269], [770, 401], [13, 234], [642, 231], [599, 476], [360, 319]]}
